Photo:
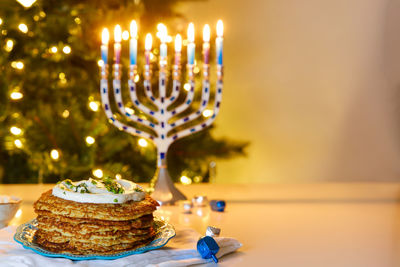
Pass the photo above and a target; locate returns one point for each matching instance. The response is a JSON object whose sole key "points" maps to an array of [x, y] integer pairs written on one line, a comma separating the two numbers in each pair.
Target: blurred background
{"points": [[311, 92], [314, 85]]}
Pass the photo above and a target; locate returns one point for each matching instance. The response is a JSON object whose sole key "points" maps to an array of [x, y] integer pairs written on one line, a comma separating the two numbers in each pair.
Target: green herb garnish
{"points": [[82, 188], [112, 186], [115, 200]]}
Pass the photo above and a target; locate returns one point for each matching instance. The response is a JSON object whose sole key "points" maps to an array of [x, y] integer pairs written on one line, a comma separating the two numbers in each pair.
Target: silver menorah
{"points": [[165, 125]]}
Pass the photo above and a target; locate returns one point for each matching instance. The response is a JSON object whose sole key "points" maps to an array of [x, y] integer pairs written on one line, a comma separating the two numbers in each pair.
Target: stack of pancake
{"points": [[88, 228]]}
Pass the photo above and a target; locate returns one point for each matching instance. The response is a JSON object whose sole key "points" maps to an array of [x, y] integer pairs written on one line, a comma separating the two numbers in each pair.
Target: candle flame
{"points": [[190, 32], [206, 33], [163, 32], [148, 42], [178, 43], [220, 28], [105, 36], [133, 28], [117, 34]]}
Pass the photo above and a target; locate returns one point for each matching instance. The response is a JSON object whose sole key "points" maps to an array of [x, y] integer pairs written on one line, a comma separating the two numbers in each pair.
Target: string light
{"points": [[77, 20], [67, 49], [9, 45], [1, 21], [54, 154], [15, 130], [197, 179], [185, 180], [207, 113], [61, 75], [89, 140], [142, 142], [18, 143], [118, 176], [53, 49], [186, 86], [17, 65], [125, 35], [65, 114], [16, 95], [137, 78], [98, 173], [93, 105], [23, 28], [26, 3], [100, 63]]}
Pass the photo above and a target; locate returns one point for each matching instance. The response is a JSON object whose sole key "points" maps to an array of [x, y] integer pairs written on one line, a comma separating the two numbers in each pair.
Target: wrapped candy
{"points": [[185, 206], [207, 247], [199, 201], [212, 231], [218, 205]]}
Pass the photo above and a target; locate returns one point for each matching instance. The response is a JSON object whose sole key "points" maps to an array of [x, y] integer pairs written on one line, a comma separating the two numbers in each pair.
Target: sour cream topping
{"points": [[99, 191]]}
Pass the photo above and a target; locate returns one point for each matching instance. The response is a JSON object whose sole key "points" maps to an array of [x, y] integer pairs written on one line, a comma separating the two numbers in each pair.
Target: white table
{"points": [[346, 225]]}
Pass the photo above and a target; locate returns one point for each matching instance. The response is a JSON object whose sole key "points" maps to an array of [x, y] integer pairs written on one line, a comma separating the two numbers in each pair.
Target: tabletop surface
{"points": [[349, 224]]}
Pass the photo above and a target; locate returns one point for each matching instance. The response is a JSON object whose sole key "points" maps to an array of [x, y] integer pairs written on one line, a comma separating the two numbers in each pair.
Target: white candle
{"points": [[117, 44], [133, 43], [191, 46], [178, 49], [206, 44], [163, 38], [105, 36], [147, 46], [219, 41]]}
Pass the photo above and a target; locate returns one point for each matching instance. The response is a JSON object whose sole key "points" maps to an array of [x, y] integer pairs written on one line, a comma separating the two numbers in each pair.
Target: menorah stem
{"points": [[165, 191]]}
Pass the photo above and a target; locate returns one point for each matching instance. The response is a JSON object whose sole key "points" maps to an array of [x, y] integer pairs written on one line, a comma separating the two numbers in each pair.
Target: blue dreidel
{"points": [[218, 205], [207, 247]]}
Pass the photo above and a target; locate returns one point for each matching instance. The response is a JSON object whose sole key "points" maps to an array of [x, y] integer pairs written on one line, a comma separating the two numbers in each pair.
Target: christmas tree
{"points": [[52, 124]]}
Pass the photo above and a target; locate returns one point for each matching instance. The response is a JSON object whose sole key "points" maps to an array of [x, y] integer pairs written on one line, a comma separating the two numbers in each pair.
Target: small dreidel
{"points": [[208, 248], [218, 205]]}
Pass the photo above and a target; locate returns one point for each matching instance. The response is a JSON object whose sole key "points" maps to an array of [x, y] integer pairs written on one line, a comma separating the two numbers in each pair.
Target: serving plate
{"points": [[25, 235]]}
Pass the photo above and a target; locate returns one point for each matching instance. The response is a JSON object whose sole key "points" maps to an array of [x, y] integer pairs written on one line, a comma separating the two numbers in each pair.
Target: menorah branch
{"points": [[107, 109], [198, 114]]}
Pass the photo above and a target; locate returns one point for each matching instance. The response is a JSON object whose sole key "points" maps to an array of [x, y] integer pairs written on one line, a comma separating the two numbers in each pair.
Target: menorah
{"points": [[165, 124]]}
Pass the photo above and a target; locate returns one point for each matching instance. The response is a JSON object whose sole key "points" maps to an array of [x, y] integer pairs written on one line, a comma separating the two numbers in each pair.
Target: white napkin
{"points": [[180, 251]]}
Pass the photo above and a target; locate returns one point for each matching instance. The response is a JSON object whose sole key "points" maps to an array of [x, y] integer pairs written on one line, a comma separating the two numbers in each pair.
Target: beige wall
{"points": [[312, 84]]}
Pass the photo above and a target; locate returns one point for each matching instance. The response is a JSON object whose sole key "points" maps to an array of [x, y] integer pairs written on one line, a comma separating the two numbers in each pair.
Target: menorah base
{"points": [[165, 191]]}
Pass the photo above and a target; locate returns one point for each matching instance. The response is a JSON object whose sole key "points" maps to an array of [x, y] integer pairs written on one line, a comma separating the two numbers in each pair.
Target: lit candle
{"points": [[147, 46], [133, 43], [206, 44], [219, 41], [163, 38], [105, 35], [191, 46], [117, 44], [178, 49]]}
